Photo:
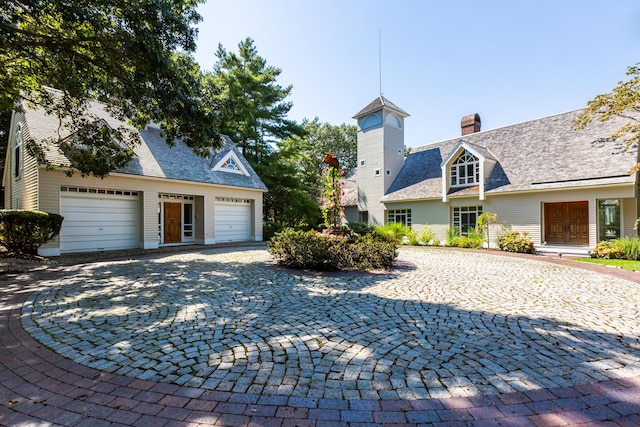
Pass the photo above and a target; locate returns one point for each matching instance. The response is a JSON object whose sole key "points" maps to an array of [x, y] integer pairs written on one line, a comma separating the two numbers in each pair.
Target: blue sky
{"points": [[509, 61]]}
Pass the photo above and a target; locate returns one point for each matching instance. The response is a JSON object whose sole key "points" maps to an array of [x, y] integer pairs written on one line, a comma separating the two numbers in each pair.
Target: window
{"points": [[465, 170], [608, 219], [464, 218], [230, 164], [363, 216], [376, 172], [399, 216], [17, 161], [187, 221], [363, 162]]}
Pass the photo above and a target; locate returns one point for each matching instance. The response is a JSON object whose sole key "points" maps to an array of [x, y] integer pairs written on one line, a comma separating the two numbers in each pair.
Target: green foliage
{"points": [[395, 229], [608, 249], [514, 241], [287, 201], [630, 247], [624, 98], [306, 152], [453, 235], [317, 251], [625, 248], [483, 223], [332, 206], [361, 228], [23, 232], [105, 50], [427, 235], [253, 106]]}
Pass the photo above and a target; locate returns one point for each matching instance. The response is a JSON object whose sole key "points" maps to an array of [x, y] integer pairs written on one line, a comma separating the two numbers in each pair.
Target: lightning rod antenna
{"points": [[380, 58]]}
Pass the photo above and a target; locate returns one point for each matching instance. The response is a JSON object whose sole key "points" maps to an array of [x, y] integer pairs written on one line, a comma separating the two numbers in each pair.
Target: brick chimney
{"points": [[470, 124]]}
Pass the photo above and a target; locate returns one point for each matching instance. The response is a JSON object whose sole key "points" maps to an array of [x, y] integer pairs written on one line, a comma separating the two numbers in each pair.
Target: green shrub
{"points": [[395, 229], [270, 228], [373, 251], [514, 241], [361, 228], [317, 251], [436, 242], [476, 237], [426, 235], [630, 247], [411, 237], [608, 249], [452, 237], [23, 232]]}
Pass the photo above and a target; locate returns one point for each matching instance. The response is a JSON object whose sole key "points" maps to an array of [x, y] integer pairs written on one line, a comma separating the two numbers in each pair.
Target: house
{"points": [[163, 196], [562, 186]]}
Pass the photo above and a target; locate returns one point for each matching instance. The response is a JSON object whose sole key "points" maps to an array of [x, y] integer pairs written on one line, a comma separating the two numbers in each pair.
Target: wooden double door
{"points": [[566, 223]]}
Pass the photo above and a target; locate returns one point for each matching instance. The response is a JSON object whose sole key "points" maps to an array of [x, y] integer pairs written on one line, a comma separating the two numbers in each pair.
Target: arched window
{"points": [[465, 170]]}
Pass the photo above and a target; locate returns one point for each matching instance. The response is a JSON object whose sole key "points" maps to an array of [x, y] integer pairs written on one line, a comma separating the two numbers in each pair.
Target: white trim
{"points": [[231, 156]]}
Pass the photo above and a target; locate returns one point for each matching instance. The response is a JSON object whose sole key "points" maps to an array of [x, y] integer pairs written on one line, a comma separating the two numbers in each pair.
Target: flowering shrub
{"points": [[332, 205], [320, 251], [514, 241], [608, 249]]}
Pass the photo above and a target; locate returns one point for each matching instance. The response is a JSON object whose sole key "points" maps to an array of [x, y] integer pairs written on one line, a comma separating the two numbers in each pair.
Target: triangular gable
{"points": [[485, 162], [480, 152], [230, 162]]}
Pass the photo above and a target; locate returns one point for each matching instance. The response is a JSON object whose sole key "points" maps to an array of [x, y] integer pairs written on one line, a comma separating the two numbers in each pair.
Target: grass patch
{"points": [[622, 263]]}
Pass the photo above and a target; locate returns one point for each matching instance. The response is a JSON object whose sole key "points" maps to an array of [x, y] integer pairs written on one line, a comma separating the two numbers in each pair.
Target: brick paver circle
{"points": [[443, 324]]}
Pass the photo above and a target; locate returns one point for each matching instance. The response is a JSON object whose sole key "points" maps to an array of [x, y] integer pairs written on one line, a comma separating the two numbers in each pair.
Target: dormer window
{"points": [[230, 164], [465, 170]]}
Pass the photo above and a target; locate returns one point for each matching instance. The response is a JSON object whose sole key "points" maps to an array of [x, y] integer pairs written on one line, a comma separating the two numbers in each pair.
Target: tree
{"points": [[623, 101], [122, 54], [253, 105], [307, 152]]}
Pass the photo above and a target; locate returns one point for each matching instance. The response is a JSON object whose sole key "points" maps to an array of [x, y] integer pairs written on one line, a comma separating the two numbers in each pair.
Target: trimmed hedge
{"points": [[23, 232], [318, 251]]}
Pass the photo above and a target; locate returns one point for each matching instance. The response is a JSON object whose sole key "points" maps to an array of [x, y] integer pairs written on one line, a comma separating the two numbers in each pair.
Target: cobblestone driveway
{"points": [[444, 324]]}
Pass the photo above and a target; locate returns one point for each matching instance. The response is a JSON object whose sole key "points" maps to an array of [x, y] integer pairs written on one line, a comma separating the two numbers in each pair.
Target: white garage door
{"points": [[99, 220], [232, 220]]}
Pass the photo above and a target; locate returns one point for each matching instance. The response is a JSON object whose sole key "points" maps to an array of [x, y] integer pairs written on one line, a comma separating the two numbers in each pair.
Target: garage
{"points": [[232, 220], [99, 220]]}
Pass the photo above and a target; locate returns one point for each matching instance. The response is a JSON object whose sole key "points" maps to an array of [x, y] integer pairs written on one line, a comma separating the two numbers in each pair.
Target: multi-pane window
{"points": [[465, 170], [609, 222], [399, 216], [464, 218], [230, 164]]}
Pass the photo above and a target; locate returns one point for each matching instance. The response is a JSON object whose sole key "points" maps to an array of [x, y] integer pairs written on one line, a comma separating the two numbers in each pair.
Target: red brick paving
{"points": [[39, 387]]}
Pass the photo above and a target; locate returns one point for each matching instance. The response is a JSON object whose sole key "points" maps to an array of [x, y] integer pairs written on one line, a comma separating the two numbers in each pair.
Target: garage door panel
{"points": [[98, 223], [232, 222]]}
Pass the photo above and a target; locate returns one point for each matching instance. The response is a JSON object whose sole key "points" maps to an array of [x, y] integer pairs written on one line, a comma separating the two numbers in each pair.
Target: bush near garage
{"points": [[326, 251], [23, 232]]}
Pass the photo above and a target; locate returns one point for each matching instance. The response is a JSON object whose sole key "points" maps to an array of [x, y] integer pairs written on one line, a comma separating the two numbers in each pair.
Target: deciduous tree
{"points": [[622, 101], [122, 53]]}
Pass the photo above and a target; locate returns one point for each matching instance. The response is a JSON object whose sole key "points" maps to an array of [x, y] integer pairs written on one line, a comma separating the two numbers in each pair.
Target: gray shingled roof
{"points": [[153, 157], [378, 103], [535, 155]]}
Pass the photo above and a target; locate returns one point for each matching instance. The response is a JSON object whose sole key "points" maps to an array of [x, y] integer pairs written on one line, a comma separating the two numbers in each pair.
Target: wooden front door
{"points": [[567, 223], [172, 224]]}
